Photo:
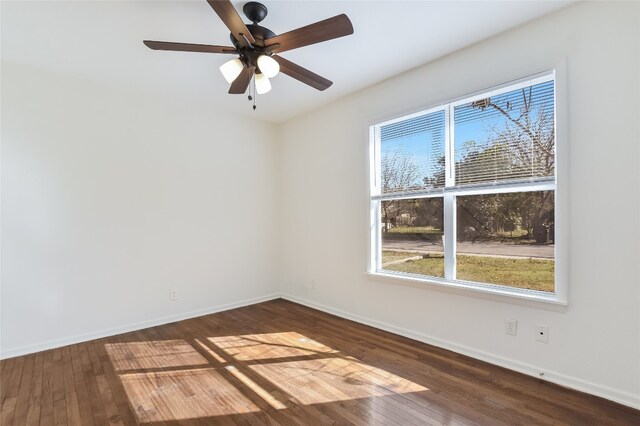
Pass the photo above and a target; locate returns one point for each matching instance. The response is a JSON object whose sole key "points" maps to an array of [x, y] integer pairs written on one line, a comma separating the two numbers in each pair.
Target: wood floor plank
{"points": [[280, 363], [59, 393], [84, 368], [35, 391], [46, 401], [5, 376], [11, 388], [22, 399], [74, 415], [83, 398]]}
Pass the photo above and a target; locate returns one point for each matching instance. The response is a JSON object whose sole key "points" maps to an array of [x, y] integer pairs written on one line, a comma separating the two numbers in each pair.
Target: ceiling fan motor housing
{"points": [[255, 11]]}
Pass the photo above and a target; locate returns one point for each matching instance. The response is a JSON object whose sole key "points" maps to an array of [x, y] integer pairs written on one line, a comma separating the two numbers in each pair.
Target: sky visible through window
{"points": [[477, 127]]}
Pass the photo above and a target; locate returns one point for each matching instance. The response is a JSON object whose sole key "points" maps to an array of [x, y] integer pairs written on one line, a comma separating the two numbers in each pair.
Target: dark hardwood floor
{"points": [[280, 363]]}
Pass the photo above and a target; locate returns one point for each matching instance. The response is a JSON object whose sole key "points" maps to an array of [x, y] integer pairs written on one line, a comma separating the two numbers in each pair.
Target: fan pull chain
{"points": [[254, 92], [253, 98]]}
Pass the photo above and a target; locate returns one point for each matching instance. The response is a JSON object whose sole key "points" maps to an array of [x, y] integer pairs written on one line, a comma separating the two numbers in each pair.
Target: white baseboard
{"points": [[56, 343], [615, 395]]}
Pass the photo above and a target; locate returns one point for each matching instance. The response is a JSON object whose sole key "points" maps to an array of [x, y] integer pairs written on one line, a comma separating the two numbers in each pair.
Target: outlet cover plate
{"points": [[542, 334], [511, 327]]}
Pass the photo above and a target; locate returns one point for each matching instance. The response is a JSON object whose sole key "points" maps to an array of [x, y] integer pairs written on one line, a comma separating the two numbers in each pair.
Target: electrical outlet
{"points": [[313, 284], [173, 294], [511, 327], [542, 334]]}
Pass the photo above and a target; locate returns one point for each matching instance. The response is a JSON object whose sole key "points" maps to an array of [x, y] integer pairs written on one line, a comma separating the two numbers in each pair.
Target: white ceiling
{"points": [[102, 41]]}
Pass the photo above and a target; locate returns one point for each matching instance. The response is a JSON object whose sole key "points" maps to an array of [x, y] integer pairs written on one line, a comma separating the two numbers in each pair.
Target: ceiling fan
{"points": [[258, 48]]}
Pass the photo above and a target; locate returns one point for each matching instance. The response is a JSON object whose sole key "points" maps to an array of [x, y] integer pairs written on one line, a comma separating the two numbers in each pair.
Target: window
{"points": [[464, 194]]}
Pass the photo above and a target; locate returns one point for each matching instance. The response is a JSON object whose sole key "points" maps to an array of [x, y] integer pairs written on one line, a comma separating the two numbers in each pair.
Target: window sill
{"points": [[499, 293]]}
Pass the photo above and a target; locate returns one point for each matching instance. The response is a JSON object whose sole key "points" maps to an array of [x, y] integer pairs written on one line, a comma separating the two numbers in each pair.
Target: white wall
{"points": [[595, 342], [110, 199]]}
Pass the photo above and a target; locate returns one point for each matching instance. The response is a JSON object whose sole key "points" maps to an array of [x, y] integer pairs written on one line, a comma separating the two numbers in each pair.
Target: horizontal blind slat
{"points": [[506, 137], [413, 153]]}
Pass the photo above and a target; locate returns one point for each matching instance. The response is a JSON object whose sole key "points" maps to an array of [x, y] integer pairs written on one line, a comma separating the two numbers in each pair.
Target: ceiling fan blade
{"points": [[240, 84], [302, 74], [338, 26], [188, 47], [233, 21]]}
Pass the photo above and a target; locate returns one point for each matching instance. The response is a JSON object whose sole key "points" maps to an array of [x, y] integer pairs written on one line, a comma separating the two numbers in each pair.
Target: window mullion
{"points": [[449, 159], [449, 200], [375, 248], [449, 237]]}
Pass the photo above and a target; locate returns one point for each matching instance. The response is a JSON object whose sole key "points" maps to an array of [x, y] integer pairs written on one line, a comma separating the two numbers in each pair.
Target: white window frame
{"points": [[451, 191]]}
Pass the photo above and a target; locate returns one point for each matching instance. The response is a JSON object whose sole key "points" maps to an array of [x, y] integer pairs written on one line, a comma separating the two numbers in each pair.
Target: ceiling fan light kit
{"points": [[268, 66], [258, 48], [231, 70], [263, 85]]}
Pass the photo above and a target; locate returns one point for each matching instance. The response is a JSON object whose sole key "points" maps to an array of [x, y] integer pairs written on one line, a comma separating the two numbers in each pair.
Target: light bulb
{"points": [[268, 66], [263, 85], [231, 70]]}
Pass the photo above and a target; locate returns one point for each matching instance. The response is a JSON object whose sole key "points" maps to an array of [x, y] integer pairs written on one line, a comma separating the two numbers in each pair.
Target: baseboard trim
{"points": [[611, 394], [56, 343]]}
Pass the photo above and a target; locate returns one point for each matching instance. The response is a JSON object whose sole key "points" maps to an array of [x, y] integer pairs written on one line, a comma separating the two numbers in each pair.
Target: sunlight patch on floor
{"points": [[333, 379], [153, 354], [269, 346], [229, 375], [176, 395]]}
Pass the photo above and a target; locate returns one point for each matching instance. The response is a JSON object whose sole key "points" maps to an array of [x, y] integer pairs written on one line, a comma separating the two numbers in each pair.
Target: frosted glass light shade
{"points": [[263, 85], [231, 70], [268, 66]]}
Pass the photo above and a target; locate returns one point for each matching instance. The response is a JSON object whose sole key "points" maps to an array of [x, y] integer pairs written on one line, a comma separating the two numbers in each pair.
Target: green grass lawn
{"points": [[433, 265], [533, 274]]}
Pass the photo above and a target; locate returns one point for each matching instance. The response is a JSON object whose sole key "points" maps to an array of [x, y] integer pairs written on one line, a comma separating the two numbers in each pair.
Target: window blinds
{"points": [[412, 154], [510, 136]]}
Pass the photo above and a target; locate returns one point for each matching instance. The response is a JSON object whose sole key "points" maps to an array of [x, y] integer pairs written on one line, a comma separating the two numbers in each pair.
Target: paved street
{"points": [[482, 248]]}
